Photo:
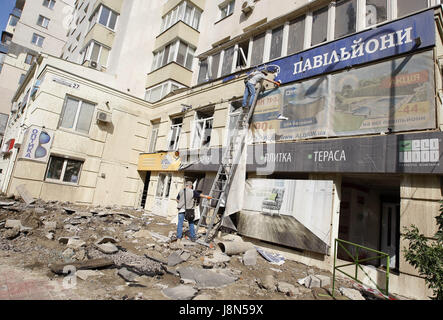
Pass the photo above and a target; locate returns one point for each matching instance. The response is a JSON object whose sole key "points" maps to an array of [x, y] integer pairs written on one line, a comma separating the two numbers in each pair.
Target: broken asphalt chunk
{"points": [[204, 278], [127, 275], [181, 292]]}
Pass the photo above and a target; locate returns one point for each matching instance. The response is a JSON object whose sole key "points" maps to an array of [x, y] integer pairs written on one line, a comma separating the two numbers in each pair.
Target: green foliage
{"points": [[426, 255]]}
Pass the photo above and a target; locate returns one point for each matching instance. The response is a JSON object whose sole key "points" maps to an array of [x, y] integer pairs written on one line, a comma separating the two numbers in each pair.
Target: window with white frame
{"points": [[63, 170], [405, 7], [105, 16], [30, 58], [227, 9], [345, 18], [202, 128], [319, 32], [13, 21], [160, 91], [92, 52], [296, 36], [185, 12], [37, 40], [177, 51], [43, 21], [77, 115], [376, 12], [174, 135], [276, 43], [154, 136], [49, 4], [215, 64]]}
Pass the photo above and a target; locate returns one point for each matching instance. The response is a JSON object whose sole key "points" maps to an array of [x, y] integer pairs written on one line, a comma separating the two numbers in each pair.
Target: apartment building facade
{"points": [[144, 96], [361, 88], [33, 27]]}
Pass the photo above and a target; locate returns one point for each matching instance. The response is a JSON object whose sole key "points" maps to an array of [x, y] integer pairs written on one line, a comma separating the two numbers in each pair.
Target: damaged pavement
{"points": [[117, 253]]}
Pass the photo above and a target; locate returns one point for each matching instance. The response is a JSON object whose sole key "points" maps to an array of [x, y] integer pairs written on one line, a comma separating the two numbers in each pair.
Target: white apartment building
{"points": [[144, 96]]}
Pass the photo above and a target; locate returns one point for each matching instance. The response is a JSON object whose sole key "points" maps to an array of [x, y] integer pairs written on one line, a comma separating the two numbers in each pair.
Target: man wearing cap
{"points": [[190, 195], [250, 83]]}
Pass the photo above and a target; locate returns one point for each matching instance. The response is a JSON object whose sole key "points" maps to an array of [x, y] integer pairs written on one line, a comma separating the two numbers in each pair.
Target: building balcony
{"points": [[115, 5], [179, 30], [100, 34], [171, 71], [171, 4], [16, 12]]}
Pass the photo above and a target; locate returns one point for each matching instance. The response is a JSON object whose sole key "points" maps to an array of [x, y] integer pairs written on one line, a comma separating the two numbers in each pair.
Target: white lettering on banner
{"points": [[329, 156], [31, 143], [358, 49], [278, 157]]}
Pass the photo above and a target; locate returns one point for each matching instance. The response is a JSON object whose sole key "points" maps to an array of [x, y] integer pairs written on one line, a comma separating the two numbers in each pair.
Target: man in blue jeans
{"points": [[182, 206], [250, 83]]}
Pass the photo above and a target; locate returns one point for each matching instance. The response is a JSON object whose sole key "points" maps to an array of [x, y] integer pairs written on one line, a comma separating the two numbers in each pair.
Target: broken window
{"points": [[345, 17], [203, 73], [163, 185], [203, 128], [319, 26], [276, 43], [174, 136], [214, 65], [154, 135], [376, 11], [227, 61], [405, 7], [63, 170], [296, 35], [258, 47], [242, 56]]}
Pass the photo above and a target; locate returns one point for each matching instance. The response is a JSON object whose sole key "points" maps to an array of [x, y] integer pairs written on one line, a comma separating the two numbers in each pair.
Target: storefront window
{"points": [[376, 11], [345, 17], [63, 170]]}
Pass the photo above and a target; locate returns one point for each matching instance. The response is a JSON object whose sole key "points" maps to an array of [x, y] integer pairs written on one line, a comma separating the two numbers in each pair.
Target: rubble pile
{"points": [[129, 254]]}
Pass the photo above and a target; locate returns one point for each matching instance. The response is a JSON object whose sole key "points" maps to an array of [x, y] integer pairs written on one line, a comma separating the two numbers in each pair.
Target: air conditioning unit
{"points": [[247, 6], [104, 117]]}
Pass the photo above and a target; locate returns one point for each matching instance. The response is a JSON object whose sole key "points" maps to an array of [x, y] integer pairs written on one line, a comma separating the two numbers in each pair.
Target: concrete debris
{"points": [[85, 274], [50, 235], [324, 280], [68, 254], [24, 194], [10, 224], [127, 275], [268, 283], [218, 257], [106, 239], [6, 203], [235, 247], [205, 279], [287, 288], [159, 238], [69, 210], [50, 226], [82, 265], [351, 293], [11, 234], [203, 296], [143, 234], [250, 257], [156, 256], [181, 292], [75, 243], [64, 240], [174, 259], [232, 237], [107, 248]]}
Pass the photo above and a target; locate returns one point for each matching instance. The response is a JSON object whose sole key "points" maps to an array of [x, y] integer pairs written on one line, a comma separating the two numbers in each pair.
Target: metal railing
{"points": [[357, 262]]}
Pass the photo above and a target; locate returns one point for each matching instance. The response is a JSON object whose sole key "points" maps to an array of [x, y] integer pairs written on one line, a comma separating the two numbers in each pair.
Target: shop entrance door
{"points": [[162, 194], [389, 232]]}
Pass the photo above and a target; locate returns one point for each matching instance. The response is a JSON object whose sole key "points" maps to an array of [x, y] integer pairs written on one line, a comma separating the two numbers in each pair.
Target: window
{"points": [[49, 4], [77, 115], [154, 135], [30, 58], [376, 12], [258, 47], [185, 12], [163, 185], [296, 35], [202, 129], [184, 55], [319, 26], [405, 7], [160, 91], [63, 170], [174, 135], [227, 9], [107, 17], [215, 63], [13, 21], [43, 21], [276, 43], [22, 78], [37, 40], [203, 72], [242, 56], [345, 17], [227, 61], [92, 52]]}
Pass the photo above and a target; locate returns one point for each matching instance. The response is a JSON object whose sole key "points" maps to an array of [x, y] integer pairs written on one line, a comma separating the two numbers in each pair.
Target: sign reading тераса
{"points": [[405, 35]]}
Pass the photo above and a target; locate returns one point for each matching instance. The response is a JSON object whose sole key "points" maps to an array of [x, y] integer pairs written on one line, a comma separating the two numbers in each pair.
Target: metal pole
{"points": [[333, 272]]}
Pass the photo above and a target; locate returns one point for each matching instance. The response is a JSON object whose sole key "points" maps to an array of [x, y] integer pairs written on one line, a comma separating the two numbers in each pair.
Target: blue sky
{"points": [[6, 7]]}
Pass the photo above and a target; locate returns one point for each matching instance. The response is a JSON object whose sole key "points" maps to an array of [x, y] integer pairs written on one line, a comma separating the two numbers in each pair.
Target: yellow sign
{"points": [[163, 161]]}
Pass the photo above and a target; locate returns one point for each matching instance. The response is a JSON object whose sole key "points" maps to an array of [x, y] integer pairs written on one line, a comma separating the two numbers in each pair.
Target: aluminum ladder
{"points": [[226, 171]]}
